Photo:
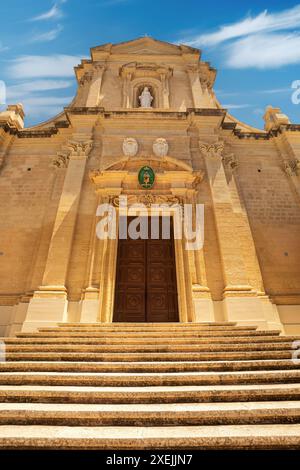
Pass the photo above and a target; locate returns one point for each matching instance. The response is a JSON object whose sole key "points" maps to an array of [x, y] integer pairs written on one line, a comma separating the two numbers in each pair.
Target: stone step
{"points": [[260, 436], [149, 394], [146, 329], [150, 356], [148, 348], [168, 414], [140, 335], [150, 341], [113, 379], [195, 366], [145, 324]]}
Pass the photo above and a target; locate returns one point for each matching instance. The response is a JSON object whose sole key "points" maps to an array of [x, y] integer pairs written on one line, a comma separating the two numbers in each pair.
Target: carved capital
{"points": [[292, 167], [61, 160], [230, 161], [212, 150], [73, 150], [80, 148], [86, 78]]}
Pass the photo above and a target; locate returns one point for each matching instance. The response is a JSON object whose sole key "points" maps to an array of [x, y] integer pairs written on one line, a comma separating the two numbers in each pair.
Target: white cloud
{"points": [[264, 51], [47, 35], [274, 91], [47, 100], [236, 106], [34, 66], [23, 89], [46, 107], [262, 23], [54, 13]]}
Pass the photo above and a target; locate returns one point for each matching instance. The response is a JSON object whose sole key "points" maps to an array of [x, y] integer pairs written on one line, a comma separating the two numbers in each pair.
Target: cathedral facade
{"points": [[145, 127]]}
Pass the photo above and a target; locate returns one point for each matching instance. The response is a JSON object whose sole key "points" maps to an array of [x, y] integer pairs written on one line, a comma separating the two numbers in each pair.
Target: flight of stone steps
{"points": [[150, 386]]}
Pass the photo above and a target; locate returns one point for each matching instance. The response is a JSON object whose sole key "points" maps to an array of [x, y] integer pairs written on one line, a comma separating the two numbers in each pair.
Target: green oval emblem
{"points": [[146, 177]]}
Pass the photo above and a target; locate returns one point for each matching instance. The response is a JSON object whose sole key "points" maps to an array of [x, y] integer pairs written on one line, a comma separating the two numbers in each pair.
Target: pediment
{"points": [[146, 46]]}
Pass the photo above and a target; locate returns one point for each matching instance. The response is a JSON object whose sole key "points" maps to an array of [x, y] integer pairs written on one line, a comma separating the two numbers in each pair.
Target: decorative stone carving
{"points": [[146, 98], [212, 150], [292, 167], [61, 160], [130, 147], [274, 118], [199, 175], [74, 149], [79, 149], [87, 77], [148, 200], [160, 147], [230, 161]]}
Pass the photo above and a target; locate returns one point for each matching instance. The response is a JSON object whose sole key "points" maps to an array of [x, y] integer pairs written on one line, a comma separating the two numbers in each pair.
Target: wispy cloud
{"points": [[55, 12], [264, 51], [273, 91], [268, 40], [22, 90], [34, 66], [236, 106], [262, 23], [39, 107], [47, 35]]}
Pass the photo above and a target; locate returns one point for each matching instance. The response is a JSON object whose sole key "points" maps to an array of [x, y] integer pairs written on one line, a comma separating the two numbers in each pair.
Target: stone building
{"points": [[53, 267]]}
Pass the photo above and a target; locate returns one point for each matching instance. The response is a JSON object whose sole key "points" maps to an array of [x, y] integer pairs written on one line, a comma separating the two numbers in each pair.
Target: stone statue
{"points": [[146, 98], [130, 147]]}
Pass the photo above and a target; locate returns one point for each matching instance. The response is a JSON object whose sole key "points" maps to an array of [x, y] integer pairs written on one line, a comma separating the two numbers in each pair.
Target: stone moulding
{"points": [[148, 199]]}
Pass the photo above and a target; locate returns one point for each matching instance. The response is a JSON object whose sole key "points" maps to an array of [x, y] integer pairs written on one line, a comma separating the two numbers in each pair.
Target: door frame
{"points": [[108, 277]]}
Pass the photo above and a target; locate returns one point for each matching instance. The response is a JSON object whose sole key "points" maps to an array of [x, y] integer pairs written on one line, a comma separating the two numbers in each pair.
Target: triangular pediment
{"points": [[145, 46]]}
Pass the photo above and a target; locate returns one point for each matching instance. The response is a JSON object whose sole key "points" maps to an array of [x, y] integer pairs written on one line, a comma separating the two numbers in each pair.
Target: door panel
{"points": [[146, 289]]}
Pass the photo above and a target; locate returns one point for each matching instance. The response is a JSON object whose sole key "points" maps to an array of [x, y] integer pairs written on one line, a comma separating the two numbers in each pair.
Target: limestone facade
{"points": [[53, 176]]}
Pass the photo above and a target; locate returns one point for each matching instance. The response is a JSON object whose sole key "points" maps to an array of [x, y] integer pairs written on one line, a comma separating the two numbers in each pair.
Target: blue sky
{"points": [[254, 45]]}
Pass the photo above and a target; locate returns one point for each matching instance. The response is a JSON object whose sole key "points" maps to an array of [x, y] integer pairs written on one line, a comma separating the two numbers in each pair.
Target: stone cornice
{"points": [[231, 126], [34, 133]]}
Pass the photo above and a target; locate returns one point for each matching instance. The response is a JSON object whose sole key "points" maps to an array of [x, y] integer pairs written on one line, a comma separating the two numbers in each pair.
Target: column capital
{"points": [[213, 150]]}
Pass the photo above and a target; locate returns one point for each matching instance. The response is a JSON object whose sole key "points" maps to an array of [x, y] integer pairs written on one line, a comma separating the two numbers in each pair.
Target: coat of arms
{"points": [[146, 177]]}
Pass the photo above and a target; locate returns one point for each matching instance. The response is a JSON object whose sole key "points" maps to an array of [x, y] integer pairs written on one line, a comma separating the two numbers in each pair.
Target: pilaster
{"points": [[50, 300]]}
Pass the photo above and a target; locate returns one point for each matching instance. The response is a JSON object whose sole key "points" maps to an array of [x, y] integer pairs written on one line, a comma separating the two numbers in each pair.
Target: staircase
{"points": [[150, 386]]}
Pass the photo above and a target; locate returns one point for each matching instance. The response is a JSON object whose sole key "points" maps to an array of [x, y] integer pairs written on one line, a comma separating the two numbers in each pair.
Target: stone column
{"points": [[193, 73], [94, 94], [204, 311], [234, 272], [264, 309], [165, 90], [90, 303], [50, 301]]}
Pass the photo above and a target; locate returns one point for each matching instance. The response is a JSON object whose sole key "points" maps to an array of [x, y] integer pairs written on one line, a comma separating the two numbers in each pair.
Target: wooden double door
{"points": [[146, 287]]}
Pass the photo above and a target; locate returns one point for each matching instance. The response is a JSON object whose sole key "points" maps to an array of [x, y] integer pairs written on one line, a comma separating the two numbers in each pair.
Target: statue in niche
{"points": [[146, 98]]}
